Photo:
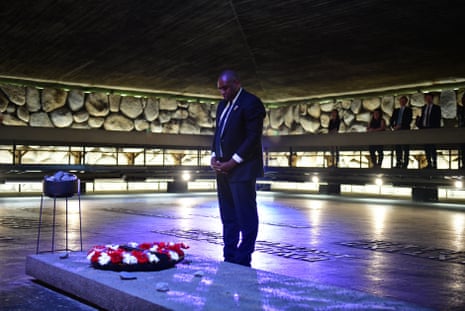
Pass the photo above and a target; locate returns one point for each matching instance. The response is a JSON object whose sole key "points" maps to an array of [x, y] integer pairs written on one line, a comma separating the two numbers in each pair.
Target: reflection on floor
{"points": [[413, 252]]}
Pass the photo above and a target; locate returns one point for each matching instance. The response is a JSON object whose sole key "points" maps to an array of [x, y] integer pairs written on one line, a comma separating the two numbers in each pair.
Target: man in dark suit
{"points": [[400, 120], [461, 123], [238, 161], [430, 118]]}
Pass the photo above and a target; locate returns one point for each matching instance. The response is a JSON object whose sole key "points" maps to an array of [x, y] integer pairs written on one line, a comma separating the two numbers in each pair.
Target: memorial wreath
{"points": [[137, 257]]}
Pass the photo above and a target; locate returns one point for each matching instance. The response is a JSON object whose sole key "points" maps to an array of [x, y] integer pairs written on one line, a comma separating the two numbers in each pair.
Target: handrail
{"points": [[80, 137], [450, 138], [98, 137], [441, 137]]}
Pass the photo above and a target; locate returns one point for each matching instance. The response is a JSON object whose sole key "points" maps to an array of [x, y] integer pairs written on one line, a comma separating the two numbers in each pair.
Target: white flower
{"points": [[133, 244], [112, 246], [129, 259], [103, 259], [154, 248], [89, 257], [153, 258], [174, 256]]}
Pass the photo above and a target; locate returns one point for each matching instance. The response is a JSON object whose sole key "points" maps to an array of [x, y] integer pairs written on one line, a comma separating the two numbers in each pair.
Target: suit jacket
{"points": [[334, 125], [242, 135], [434, 119], [406, 118]]}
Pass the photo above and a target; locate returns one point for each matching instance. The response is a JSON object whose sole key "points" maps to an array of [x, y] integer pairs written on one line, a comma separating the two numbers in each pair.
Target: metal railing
{"points": [[28, 153]]}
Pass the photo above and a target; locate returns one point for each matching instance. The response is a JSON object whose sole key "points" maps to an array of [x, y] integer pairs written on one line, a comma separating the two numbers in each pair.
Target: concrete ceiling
{"points": [[283, 50]]}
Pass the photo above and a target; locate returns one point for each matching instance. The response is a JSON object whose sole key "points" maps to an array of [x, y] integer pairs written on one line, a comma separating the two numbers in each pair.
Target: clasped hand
{"points": [[222, 167]]}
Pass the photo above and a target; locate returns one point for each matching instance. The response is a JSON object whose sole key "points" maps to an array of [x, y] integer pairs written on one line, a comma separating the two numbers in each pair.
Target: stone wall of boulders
{"points": [[313, 117], [50, 107]]}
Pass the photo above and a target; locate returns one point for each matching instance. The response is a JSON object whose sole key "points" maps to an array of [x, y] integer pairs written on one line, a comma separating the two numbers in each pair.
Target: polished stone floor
{"points": [[397, 249]]}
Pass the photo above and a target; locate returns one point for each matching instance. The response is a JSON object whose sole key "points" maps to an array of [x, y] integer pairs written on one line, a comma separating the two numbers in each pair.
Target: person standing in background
{"points": [[430, 118], [400, 120], [376, 124], [333, 128], [461, 123], [237, 160]]}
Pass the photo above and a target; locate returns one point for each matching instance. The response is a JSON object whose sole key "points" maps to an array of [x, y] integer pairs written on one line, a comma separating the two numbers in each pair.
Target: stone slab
{"points": [[198, 284]]}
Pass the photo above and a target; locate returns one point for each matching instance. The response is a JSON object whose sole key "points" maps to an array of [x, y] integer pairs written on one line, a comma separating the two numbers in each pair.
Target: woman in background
{"points": [[377, 124], [333, 128]]}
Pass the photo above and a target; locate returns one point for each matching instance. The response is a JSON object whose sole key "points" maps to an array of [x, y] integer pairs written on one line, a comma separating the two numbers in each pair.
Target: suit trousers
{"points": [[431, 155], [402, 155], [376, 154], [239, 216]]}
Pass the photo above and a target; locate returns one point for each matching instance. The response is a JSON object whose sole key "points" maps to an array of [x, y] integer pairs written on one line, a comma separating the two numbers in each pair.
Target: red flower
{"points": [[115, 255], [95, 257], [177, 248], [145, 245], [141, 257]]}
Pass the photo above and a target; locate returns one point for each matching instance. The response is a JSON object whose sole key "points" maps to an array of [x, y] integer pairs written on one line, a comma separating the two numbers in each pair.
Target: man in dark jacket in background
{"points": [[430, 118], [400, 120]]}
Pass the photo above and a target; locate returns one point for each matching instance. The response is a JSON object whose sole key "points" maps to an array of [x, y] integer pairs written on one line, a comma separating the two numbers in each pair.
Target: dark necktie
{"points": [[428, 113], [221, 125]]}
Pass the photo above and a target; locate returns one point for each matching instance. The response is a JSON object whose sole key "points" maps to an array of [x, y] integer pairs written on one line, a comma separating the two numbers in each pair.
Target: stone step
{"points": [[196, 284]]}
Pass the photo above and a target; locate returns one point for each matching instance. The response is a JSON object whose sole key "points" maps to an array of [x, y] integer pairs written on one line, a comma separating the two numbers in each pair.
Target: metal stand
{"points": [[54, 219]]}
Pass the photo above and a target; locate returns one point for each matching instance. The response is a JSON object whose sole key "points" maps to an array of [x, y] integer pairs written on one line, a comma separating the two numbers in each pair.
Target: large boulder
{"points": [[171, 127], [348, 117], [141, 125], [314, 110], [168, 103], [344, 103], [53, 99], [356, 105], [115, 101], [387, 105], [309, 124], [95, 122], [3, 102], [364, 117], [32, 99], [189, 127], [371, 104], [40, 119], [289, 115], [201, 114], [164, 117], [76, 100], [23, 114], [417, 100], [448, 103], [16, 94], [81, 116], [324, 120], [152, 109], [327, 106], [276, 118], [180, 114], [131, 106], [11, 120], [97, 104], [116, 122], [61, 117]]}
